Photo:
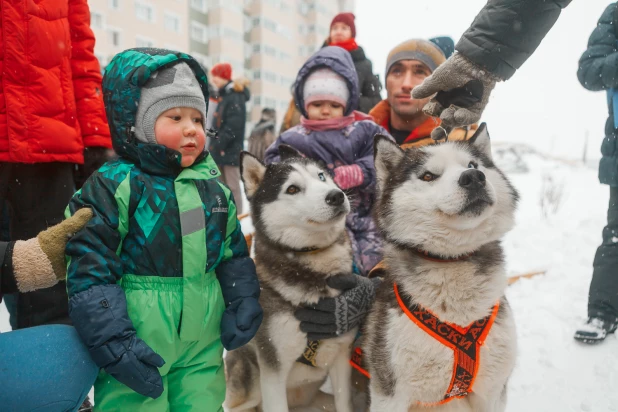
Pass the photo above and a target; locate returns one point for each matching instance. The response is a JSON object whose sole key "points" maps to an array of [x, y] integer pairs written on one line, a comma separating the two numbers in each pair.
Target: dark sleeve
{"points": [[236, 272], [370, 87], [8, 284], [272, 153], [598, 66], [91, 252], [97, 305], [232, 121], [506, 32], [365, 155]]}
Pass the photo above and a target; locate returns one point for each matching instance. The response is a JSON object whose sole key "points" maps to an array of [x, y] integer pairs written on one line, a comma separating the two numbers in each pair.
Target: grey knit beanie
{"points": [[171, 87]]}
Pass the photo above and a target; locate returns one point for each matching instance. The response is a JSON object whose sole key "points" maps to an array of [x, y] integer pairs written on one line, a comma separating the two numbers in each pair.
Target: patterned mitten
{"points": [[332, 317]]}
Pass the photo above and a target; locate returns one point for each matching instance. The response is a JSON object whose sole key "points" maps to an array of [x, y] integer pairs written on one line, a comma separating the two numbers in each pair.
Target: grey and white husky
{"points": [[300, 241], [442, 210]]}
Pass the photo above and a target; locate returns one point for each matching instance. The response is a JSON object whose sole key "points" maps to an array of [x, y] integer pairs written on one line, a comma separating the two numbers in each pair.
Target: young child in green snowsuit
{"points": [[160, 280]]}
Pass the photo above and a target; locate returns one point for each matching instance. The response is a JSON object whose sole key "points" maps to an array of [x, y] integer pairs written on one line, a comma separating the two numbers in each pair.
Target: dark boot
{"points": [[596, 329]]}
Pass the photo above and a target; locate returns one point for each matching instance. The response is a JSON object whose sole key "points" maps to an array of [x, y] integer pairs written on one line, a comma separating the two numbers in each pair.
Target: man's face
{"points": [[400, 80]]}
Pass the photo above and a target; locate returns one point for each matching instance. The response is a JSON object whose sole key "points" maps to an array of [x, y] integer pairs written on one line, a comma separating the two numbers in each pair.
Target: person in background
{"points": [[407, 65], [332, 132], [263, 134], [229, 121], [501, 38], [598, 70], [51, 118], [343, 34], [30, 357]]}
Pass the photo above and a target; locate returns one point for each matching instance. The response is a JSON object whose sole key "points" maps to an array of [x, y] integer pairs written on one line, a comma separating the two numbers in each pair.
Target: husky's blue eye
{"points": [[322, 177], [473, 165]]}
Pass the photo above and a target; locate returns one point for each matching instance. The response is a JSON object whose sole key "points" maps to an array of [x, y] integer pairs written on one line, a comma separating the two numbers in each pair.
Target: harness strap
{"points": [[465, 342]]}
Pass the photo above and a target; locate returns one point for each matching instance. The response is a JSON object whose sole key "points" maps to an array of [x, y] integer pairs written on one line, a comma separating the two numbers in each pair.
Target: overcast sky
{"points": [[543, 104]]}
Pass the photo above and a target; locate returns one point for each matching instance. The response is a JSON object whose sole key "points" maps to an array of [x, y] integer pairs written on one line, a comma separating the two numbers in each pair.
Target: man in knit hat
{"points": [[229, 120], [160, 280], [407, 65]]}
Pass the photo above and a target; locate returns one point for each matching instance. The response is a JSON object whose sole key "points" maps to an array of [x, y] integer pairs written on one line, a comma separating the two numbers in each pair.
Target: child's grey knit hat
{"points": [[171, 87]]}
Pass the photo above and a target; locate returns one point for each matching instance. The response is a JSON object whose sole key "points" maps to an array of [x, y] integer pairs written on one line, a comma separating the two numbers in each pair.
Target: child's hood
{"points": [[124, 78], [339, 61]]}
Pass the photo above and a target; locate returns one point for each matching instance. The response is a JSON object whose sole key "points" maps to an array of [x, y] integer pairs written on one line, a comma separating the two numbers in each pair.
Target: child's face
{"points": [[340, 32], [181, 129], [324, 110]]}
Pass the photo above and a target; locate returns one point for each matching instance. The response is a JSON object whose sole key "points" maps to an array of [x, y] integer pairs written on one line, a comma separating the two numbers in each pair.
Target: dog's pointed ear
{"points": [[288, 152], [251, 172], [387, 155], [481, 140]]}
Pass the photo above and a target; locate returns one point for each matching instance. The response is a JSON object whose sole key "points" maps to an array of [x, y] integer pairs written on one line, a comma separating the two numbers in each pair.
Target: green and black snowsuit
{"points": [[162, 236]]}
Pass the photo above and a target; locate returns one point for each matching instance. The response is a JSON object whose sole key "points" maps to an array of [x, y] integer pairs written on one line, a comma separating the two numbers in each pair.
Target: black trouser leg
{"points": [[603, 296]]}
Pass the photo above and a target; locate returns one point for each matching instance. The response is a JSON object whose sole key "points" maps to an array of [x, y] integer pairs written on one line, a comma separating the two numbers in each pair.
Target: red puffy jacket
{"points": [[51, 104]]}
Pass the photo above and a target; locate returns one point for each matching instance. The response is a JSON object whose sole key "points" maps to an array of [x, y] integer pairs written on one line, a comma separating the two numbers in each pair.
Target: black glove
{"points": [[332, 317], [240, 322], [133, 363], [94, 158]]}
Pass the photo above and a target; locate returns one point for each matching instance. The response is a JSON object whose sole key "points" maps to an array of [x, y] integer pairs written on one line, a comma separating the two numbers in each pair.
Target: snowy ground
{"points": [[554, 373]]}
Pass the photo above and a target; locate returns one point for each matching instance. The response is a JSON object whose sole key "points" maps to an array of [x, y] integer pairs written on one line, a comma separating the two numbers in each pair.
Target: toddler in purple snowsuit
{"points": [[326, 92]]}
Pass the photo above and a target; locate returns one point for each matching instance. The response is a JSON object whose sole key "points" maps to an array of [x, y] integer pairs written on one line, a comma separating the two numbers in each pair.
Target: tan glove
{"points": [[39, 263]]}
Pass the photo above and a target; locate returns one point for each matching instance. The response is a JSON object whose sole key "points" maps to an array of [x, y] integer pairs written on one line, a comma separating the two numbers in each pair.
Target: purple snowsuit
{"points": [[350, 145]]}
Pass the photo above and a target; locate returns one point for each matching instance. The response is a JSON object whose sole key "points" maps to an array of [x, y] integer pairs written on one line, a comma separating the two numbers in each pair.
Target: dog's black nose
{"points": [[472, 179], [335, 198]]}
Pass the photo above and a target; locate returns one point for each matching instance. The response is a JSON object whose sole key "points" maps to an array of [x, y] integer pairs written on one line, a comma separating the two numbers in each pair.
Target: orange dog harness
{"points": [[465, 342]]}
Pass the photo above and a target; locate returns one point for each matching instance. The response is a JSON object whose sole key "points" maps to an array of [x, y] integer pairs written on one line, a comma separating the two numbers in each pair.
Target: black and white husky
{"points": [[300, 241], [441, 332]]}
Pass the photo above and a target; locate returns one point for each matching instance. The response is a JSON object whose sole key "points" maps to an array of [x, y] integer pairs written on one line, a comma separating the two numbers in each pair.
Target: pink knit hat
{"points": [[324, 84]]}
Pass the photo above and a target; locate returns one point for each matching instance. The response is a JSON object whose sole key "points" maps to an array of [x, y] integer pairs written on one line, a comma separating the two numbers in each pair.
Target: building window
{"points": [[270, 76], [257, 100], [114, 37], [199, 5], [199, 32], [171, 23], [96, 20], [270, 25], [141, 41], [144, 12], [257, 75], [270, 51], [257, 48], [114, 4]]}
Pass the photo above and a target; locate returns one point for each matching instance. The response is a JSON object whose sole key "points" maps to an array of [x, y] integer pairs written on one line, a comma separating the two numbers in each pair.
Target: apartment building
{"points": [[264, 40], [123, 24]]}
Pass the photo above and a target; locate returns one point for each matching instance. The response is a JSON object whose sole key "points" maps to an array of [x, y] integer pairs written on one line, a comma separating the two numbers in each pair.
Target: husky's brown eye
{"points": [[292, 190], [428, 177]]}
